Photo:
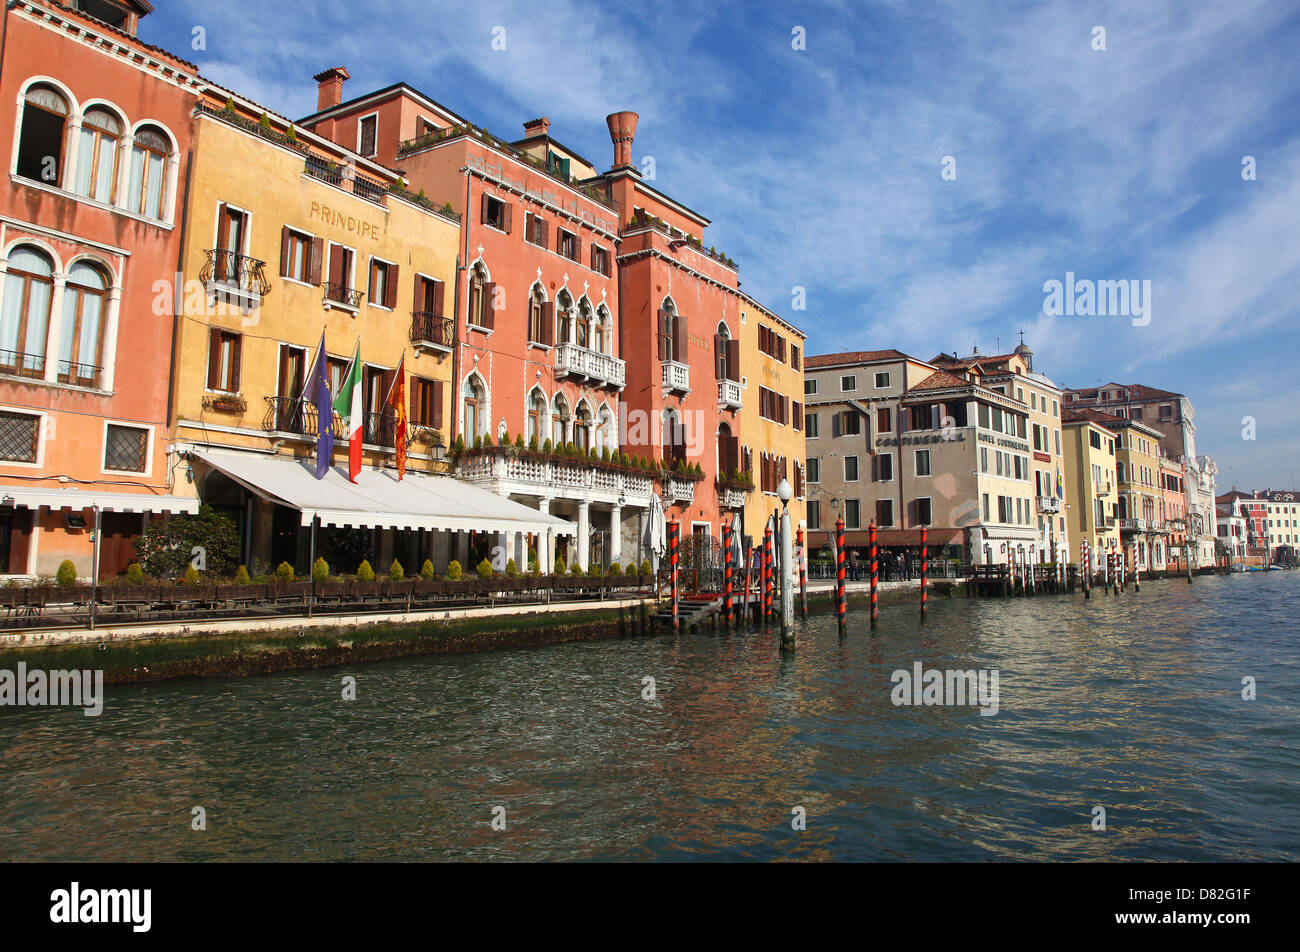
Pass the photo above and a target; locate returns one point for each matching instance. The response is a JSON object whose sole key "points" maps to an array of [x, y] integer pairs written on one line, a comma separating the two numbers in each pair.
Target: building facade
{"points": [[1091, 486], [1137, 476], [90, 220]]}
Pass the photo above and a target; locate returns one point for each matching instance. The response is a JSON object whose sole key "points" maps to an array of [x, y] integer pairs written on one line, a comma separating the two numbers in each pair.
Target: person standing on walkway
{"points": [[853, 564]]}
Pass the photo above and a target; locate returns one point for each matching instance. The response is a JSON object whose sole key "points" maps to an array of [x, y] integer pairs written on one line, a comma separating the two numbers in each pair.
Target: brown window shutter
{"points": [[390, 289], [417, 303], [506, 208], [719, 349], [662, 335], [223, 227], [483, 208], [548, 322], [317, 256], [214, 358], [336, 264], [439, 298], [413, 411], [544, 231], [577, 247], [489, 315], [437, 404], [236, 358], [284, 251], [679, 328]]}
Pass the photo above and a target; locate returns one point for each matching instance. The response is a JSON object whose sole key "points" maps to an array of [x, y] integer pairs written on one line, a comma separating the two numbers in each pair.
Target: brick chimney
{"points": [[329, 88], [536, 127], [622, 130]]}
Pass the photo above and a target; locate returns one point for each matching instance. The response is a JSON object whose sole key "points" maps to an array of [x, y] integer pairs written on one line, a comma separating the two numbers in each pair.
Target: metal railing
{"points": [[342, 294], [79, 374], [295, 415], [21, 364], [235, 271], [346, 180], [430, 328]]}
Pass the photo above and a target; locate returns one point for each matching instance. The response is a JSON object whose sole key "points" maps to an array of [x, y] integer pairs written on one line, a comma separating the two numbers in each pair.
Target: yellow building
{"points": [[771, 416], [1091, 486], [1137, 472], [288, 235]]}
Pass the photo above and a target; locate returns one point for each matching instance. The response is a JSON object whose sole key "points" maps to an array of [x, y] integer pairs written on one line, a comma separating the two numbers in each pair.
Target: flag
{"points": [[348, 404], [319, 387], [397, 402], [1059, 490]]}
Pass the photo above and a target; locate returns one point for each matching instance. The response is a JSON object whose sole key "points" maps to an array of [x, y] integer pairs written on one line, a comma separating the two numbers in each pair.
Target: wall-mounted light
{"points": [[189, 473]]}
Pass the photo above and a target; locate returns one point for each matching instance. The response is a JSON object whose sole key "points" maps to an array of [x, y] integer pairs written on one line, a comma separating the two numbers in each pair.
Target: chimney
{"points": [[536, 127], [622, 130], [329, 88]]}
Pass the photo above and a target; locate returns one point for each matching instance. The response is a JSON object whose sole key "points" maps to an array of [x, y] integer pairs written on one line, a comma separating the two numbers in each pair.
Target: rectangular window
{"points": [[567, 244], [600, 260], [882, 380], [125, 448], [368, 135], [810, 425], [295, 256], [884, 512], [984, 459], [883, 422], [848, 383], [986, 507], [850, 469], [223, 360], [923, 462], [339, 284], [426, 402], [814, 469], [814, 514], [923, 512], [852, 514], [1004, 510], [1058, 442], [810, 385], [984, 415], [494, 212], [535, 231], [852, 424], [884, 467], [383, 283], [19, 436]]}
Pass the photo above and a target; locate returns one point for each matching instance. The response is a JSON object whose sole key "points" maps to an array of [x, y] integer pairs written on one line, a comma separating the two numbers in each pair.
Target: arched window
{"points": [[559, 421], [584, 323], [674, 439], [582, 429], [97, 155], [149, 153], [25, 313], [535, 310], [536, 417], [40, 143], [473, 413], [606, 437], [728, 452], [670, 342], [563, 318], [84, 301], [721, 342], [477, 295], [1120, 466], [603, 332]]}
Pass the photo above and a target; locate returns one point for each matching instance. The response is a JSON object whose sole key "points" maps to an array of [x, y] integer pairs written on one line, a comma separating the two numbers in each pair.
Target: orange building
{"points": [[89, 223]]}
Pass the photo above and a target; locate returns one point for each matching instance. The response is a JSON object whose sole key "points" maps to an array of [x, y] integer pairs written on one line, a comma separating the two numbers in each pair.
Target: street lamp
{"points": [[784, 492]]}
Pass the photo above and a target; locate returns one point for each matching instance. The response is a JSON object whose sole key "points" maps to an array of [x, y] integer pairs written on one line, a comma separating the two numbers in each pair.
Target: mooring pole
{"points": [[1085, 557], [727, 535], [875, 573], [787, 580], [803, 576], [672, 572], [925, 567], [311, 560], [1137, 576], [841, 602], [765, 596]]}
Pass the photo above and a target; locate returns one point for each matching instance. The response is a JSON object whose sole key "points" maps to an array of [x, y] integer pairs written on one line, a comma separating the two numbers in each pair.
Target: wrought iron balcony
{"points": [[380, 429], [1049, 503], [729, 394], [234, 273], [342, 295], [331, 173], [590, 365], [431, 331], [295, 415], [78, 374], [1132, 525], [676, 376], [21, 364]]}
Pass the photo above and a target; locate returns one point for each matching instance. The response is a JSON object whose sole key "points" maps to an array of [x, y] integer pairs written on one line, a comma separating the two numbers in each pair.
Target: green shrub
{"points": [[512, 570], [560, 567], [241, 576], [575, 568], [487, 439], [67, 573], [519, 442], [191, 575], [454, 570], [532, 442], [615, 569], [484, 569], [165, 550], [646, 567], [264, 121], [604, 454], [426, 570], [546, 447], [478, 442], [134, 574], [595, 570], [320, 570], [284, 572], [396, 572], [364, 572]]}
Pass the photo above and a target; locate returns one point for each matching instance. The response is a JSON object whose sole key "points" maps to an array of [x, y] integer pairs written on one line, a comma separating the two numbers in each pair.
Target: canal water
{"points": [[1132, 704]]}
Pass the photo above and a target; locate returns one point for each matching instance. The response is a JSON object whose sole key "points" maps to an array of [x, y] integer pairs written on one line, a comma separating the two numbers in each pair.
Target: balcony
{"points": [[531, 474], [1108, 522], [680, 490], [235, 276], [430, 331], [590, 366], [294, 416], [731, 498], [1049, 503], [676, 377], [729, 395], [331, 173], [22, 365], [340, 295], [1132, 525]]}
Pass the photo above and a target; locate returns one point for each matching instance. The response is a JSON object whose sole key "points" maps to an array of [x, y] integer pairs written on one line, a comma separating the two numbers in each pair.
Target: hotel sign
{"points": [[349, 223], [1009, 444], [959, 437]]}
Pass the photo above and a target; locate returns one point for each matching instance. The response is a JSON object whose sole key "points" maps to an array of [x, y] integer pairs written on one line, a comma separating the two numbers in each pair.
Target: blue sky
{"points": [[821, 167]]}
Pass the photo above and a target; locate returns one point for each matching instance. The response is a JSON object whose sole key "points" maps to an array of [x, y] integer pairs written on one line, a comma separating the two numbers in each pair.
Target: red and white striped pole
{"points": [[672, 571], [1086, 565], [925, 566], [767, 574], [875, 573], [803, 575], [727, 534], [841, 602]]}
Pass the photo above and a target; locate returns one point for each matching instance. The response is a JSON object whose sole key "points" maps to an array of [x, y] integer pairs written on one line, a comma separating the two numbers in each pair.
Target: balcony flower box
{"points": [[225, 403]]}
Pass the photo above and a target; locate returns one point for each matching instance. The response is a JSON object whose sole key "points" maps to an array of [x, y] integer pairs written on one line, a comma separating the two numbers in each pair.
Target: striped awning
{"points": [[79, 499]]}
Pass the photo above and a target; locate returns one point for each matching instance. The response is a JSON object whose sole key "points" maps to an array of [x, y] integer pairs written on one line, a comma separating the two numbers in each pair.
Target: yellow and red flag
{"points": [[397, 403]]}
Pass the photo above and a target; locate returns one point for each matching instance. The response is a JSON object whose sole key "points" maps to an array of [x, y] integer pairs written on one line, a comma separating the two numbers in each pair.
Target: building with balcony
{"points": [[1091, 481], [291, 234], [100, 127], [1137, 474]]}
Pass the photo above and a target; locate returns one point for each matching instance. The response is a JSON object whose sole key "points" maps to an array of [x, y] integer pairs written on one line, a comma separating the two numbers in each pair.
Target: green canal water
{"points": [[1133, 704]]}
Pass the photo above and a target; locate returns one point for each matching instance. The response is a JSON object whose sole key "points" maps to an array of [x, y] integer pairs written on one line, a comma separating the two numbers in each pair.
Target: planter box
{"points": [[333, 589]]}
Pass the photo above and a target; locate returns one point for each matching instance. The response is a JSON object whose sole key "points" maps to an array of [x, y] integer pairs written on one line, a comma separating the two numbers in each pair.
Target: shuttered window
{"points": [[224, 350]]}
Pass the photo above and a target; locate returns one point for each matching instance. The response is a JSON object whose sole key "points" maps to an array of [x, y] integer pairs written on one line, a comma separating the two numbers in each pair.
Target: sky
{"points": [[920, 170]]}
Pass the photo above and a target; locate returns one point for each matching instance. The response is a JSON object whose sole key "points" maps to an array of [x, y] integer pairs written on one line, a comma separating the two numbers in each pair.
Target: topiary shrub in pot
{"points": [[364, 572], [454, 571]]}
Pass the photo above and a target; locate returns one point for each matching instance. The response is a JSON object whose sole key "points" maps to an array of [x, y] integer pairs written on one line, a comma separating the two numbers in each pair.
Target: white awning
{"points": [[78, 499], [378, 499]]}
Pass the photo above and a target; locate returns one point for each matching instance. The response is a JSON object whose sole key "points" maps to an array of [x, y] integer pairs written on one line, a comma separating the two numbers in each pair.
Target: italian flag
{"points": [[348, 404]]}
